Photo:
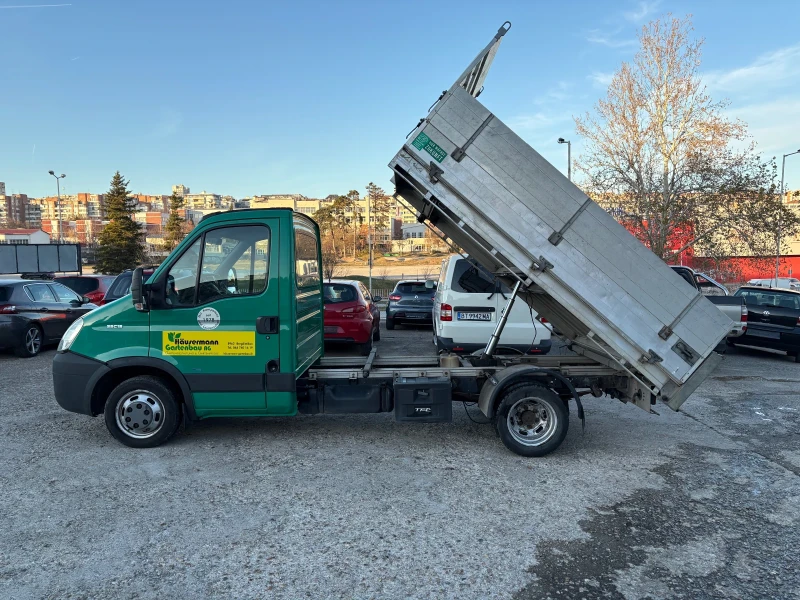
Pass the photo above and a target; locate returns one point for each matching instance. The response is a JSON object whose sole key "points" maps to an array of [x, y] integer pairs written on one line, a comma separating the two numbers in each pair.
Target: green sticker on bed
{"points": [[423, 142]]}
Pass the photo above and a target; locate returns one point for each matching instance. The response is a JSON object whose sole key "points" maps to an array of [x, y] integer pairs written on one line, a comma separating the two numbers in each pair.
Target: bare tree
{"points": [[663, 157], [331, 263]]}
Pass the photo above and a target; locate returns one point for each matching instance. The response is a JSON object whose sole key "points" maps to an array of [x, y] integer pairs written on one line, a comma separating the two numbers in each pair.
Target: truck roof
{"points": [[248, 210]]}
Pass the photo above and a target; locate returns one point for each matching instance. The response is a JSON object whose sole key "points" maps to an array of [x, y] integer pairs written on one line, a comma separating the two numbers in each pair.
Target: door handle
{"points": [[267, 325], [44, 309]]}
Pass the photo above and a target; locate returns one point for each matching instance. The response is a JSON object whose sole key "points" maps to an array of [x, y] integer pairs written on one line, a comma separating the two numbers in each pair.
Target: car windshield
{"points": [[335, 293], [771, 298], [81, 285], [414, 287]]}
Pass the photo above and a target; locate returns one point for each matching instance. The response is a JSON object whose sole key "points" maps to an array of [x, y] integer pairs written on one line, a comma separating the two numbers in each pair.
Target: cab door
{"points": [[215, 316]]}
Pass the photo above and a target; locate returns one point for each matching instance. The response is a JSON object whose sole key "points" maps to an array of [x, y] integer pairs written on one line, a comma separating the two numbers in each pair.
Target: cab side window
{"points": [[182, 277], [224, 262], [235, 262]]}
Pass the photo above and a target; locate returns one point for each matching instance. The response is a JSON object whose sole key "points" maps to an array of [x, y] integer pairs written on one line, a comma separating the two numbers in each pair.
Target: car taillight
{"points": [[445, 312], [542, 320], [353, 311], [395, 297], [744, 314], [7, 309]]}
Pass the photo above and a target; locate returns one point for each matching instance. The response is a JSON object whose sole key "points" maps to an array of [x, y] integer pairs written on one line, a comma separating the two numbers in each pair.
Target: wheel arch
{"points": [[493, 389], [121, 369]]}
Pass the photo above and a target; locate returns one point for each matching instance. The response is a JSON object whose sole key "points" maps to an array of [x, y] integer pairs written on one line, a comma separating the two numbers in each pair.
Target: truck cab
{"points": [[225, 327]]}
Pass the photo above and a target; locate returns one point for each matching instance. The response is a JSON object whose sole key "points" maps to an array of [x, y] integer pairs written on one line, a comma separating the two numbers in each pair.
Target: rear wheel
{"points": [[389, 323], [531, 420], [376, 335], [31, 341], [142, 412]]}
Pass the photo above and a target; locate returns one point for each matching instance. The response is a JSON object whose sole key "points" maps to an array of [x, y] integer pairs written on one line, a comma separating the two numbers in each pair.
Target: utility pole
{"points": [[569, 156], [778, 244], [58, 202]]}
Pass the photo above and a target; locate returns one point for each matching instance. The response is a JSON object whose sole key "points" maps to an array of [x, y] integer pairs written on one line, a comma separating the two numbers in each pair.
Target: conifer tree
{"points": [[121, 243]]}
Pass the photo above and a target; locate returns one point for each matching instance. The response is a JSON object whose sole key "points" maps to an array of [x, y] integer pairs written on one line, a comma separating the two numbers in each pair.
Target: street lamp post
{"points": [[369, 238], [58, 202], [569, 156], [778, 245]]}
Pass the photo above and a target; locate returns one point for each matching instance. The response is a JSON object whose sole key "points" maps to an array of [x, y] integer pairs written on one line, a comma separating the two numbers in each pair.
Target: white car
{"points": [[466, 308]]}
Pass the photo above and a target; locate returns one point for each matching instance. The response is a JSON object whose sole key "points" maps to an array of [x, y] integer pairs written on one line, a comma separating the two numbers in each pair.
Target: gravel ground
{"points": [[699, 504]]}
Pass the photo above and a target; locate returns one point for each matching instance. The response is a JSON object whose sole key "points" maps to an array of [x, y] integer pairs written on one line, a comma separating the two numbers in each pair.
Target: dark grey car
{"points": [[35, 313], [410, 302], [773, 319]]}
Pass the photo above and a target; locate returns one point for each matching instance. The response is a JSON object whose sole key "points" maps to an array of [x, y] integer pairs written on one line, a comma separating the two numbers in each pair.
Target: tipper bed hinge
{"points": [[650, 358], [542, 265], [434, 172]]}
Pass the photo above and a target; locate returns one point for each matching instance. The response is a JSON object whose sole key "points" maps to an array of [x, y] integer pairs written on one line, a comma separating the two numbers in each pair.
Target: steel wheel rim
{"points": [[140, 414], [33, 340], [531, 422]]}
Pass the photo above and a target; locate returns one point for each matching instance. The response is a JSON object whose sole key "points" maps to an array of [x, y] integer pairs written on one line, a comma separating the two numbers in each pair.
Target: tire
{"points": [[389, 323], [31, 341], [794, 354], [531, 419], [136, 394], [365, 348], [376, 335]]}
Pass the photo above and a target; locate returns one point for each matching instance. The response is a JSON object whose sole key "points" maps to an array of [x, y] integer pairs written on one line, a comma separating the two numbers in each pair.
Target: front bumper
{"points": [[74, 380]]}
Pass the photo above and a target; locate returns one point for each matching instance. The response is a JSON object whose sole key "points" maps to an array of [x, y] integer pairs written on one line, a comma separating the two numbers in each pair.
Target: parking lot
{"points": [[699, 504]]}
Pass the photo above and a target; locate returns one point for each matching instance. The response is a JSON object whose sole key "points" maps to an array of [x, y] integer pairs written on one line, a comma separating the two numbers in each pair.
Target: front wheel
{"points": [[142, 412], [531, 419]]}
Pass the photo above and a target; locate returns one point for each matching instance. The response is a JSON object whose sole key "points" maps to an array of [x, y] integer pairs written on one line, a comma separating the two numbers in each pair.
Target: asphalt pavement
{"points": [[704, 503]]}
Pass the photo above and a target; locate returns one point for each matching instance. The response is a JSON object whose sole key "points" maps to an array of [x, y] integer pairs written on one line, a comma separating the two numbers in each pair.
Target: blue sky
{"points": [[251, 97]]}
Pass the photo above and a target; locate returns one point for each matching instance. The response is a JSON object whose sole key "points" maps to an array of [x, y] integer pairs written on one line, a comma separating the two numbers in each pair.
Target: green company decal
{"points": [[423, 142]]}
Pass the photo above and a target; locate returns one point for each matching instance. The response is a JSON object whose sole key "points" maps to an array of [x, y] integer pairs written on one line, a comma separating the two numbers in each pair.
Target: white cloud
{"points": [[643, 11], [604, 38], [769, 71], [600, 79]]}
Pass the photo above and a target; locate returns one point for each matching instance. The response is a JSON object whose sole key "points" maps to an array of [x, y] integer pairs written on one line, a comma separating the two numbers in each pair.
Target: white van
{"points": [[788, 283], [468, 303]]}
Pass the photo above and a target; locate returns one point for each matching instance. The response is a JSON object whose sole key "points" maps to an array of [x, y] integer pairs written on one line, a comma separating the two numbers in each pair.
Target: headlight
{"points": [[70, 335]]}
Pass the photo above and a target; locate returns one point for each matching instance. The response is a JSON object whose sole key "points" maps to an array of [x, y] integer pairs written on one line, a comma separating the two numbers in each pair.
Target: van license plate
{"points": [[474, 316]]}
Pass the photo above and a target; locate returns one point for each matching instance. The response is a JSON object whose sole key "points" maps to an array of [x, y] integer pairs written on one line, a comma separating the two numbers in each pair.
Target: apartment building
{"points": [[13, 209], [203, 200], [181, 190]]}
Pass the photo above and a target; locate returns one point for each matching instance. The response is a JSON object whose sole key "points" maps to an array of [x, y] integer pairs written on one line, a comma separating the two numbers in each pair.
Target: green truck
{"points": [[231, 323]]}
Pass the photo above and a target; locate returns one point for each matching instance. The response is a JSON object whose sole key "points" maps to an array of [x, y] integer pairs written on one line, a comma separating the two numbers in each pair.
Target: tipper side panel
{"points": [[501, 201]]}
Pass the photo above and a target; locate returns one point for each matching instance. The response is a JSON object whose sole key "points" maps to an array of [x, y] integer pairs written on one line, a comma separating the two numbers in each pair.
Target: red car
{"points": [[351, 314], [94, 287]]}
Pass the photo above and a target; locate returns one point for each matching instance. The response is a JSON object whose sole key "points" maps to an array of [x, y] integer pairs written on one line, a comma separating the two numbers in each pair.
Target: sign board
{"points": [[40, 258]]}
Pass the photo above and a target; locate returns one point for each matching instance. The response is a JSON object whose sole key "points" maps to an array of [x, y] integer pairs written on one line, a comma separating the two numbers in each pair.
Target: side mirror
{"points": [[86, 300], [137, 293], [430, 284], [77, 302], [376, 298]]}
